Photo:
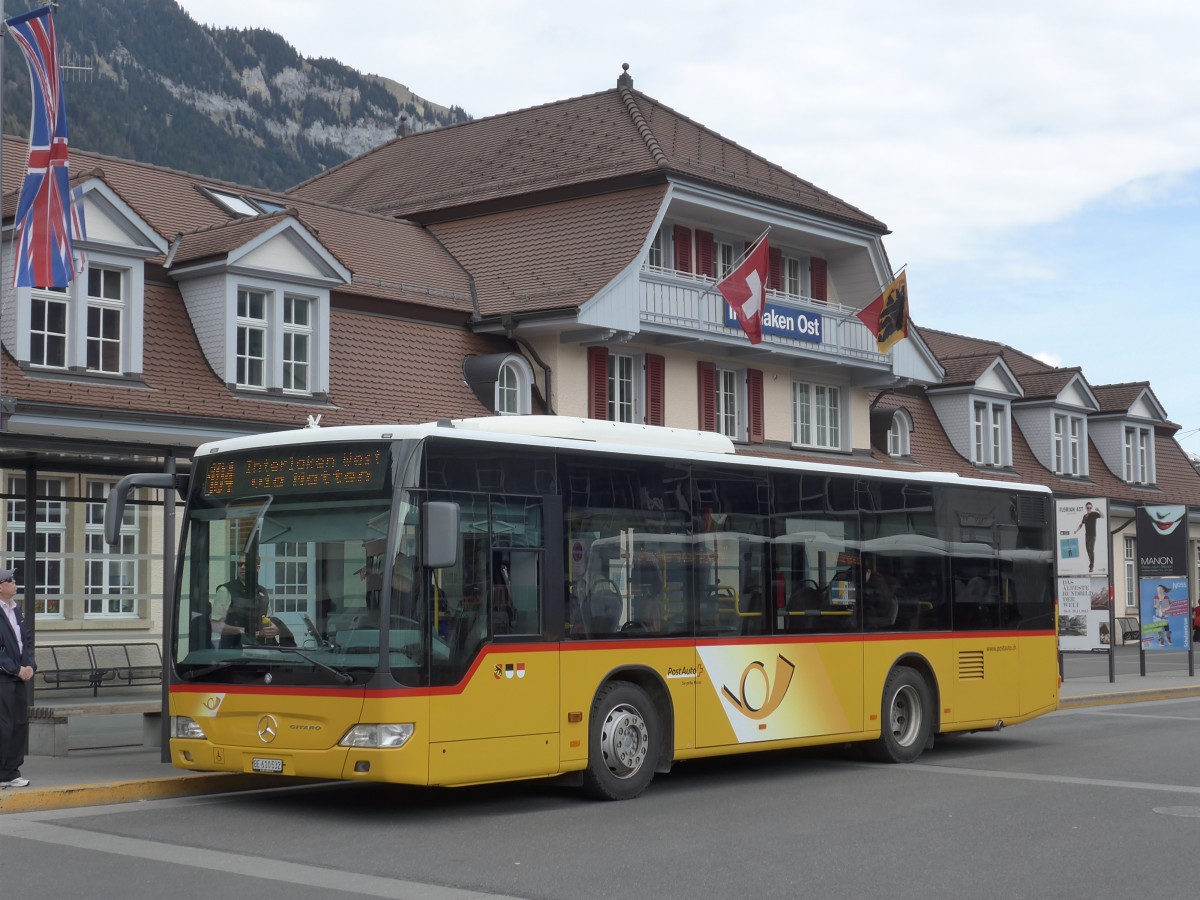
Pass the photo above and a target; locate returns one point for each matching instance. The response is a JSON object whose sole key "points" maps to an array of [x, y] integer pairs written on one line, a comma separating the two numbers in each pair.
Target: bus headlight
{"points": [[395, 735], [183, 727]]}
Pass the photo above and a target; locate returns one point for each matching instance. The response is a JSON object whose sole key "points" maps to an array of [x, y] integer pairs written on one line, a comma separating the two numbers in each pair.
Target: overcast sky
{"points": [[1038, 162]]}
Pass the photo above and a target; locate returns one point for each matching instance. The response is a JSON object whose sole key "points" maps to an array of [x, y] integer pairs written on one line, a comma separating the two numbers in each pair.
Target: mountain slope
{"points": [[144, 81]]}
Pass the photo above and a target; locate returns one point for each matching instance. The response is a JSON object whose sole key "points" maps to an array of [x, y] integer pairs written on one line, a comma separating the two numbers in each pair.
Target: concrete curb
{"points": [[69, 796], [1113, 697]]}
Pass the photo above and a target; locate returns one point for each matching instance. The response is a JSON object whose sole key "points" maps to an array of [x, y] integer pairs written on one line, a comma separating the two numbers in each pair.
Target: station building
{"points": [[560, 259]]}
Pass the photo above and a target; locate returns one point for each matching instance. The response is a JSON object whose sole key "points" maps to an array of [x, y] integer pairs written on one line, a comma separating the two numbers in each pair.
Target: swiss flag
{"points": [[743, 290]]}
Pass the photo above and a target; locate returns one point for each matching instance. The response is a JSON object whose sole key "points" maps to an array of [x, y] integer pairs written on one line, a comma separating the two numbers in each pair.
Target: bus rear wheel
{"points": [[907, 717], [622, 743]]}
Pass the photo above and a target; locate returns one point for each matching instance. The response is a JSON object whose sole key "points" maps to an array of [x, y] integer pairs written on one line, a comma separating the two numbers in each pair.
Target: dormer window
{"points": [[991, 442], [1069, 442], [1139, 455], [92, 325], [899, 438], [274, 342]]}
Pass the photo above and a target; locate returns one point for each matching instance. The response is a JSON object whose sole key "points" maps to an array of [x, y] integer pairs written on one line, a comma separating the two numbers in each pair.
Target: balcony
{"points": [[679, 306]]}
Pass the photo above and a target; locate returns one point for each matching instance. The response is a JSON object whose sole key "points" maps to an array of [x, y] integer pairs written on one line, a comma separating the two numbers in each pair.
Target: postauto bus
{"points": [[544, 597]]}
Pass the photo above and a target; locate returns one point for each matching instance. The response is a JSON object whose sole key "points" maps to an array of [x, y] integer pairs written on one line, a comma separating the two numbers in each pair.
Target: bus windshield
{"points": [[285, 556]]}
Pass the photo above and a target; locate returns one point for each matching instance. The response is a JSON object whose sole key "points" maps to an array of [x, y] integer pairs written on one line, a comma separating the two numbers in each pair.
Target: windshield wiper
{"points": [[340, 674]]}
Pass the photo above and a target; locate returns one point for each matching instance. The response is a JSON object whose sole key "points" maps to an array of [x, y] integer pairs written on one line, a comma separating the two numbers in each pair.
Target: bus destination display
{"points": [[298, 470]]}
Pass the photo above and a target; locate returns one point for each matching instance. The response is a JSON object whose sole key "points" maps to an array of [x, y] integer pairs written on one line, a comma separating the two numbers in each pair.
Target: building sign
{"points": [[783, 321], [1081, 547]]}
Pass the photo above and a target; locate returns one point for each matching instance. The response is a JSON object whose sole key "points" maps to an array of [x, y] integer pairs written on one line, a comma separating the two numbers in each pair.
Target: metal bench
{"points": [[67, 666], [1130, 628]]}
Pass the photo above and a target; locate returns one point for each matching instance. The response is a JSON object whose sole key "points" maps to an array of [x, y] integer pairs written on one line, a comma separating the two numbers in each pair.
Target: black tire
{"points": [[906, 715], [623, 740]]}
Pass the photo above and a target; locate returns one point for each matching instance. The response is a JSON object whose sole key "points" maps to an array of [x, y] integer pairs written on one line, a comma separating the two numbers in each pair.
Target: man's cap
{"points": [[6, 574]]}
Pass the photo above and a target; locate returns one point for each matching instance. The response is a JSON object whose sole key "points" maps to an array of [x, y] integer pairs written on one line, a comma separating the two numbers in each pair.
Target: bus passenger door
{"points": [[494, 709]]}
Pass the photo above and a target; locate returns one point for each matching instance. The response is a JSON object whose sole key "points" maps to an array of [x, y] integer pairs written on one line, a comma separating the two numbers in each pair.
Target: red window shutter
{"points": [[597, 382], [704, 253], [775, 277], [754, 406], [706, 389], [820, 279], [656, 369], [683, 249]]}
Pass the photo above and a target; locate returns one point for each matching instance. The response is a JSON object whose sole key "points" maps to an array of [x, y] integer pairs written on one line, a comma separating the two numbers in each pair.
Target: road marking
{"points": [[1054, 779], [18, 827], [1129, 715]]}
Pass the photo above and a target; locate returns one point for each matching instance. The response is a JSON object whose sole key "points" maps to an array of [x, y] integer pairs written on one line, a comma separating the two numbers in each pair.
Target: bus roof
{"points": [[596, 434]]}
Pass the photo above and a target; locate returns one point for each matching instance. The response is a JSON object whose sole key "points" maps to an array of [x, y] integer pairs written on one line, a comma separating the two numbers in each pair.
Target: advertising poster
{"points": [[1166, 614], [1083, 614], [1162, 541], [1081, 545]]}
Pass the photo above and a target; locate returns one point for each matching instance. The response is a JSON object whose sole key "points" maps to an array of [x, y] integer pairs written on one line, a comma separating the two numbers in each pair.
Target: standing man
{"points": [[1088, 524], [16, 668]]}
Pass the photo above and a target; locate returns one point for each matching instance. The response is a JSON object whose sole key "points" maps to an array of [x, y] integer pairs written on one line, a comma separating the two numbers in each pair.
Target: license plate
{"points": [[259, 764]]}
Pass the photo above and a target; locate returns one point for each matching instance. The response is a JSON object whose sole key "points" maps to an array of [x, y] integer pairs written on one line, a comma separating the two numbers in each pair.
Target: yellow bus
{"points": [[531, 597]]}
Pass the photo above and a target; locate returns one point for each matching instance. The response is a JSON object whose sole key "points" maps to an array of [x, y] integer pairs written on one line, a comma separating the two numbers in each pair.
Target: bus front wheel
{"points": [[622, 742], [907, 713]]}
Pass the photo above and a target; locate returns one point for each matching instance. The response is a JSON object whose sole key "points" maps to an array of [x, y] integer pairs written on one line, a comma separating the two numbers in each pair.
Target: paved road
{"points": [[1046, 809]]}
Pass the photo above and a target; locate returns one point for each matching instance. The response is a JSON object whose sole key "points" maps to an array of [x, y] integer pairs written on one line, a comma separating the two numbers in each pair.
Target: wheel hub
{"points": [[624, 741]]}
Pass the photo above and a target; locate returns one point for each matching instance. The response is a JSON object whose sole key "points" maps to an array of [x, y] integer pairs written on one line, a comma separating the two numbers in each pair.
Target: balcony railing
{"points": [[681, 302]]}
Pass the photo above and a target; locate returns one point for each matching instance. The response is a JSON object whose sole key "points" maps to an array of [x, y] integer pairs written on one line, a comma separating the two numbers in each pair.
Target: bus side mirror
{"points": [[439, 534], [114, 506]]}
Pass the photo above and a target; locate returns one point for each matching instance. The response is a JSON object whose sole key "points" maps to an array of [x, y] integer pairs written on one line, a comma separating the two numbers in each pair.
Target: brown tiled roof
{"points": [[390, 258], [1043, 385], [965, 369], [225, 237], [574, 146], [945, 345], [1119, 397], [554, 256], [1178, 481], [381, 369]]}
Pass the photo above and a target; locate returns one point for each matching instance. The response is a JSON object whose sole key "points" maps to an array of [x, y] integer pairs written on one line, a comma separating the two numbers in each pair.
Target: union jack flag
{"points": [[44, 240]]}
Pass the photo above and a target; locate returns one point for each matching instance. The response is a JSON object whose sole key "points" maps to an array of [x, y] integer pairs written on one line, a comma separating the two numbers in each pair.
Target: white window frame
{"points": [[817, 415], [1069, 440], [514, 387], [41, 335], [104, 304], [730, 402], [723, 258], [1139, 454], [74, 299], [654, 256], [50, 573], [297, 334], [792, 275], [249, 325], [1131, 594], [110, 585], [991, 430], [625, 387], [281, 334], [899, 438]]}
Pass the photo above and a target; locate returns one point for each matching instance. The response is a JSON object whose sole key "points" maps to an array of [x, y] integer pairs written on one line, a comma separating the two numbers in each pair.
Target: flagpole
{"points": [[883, 287]]}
